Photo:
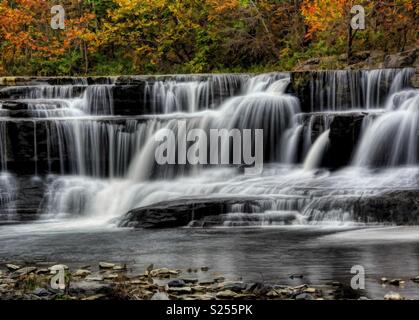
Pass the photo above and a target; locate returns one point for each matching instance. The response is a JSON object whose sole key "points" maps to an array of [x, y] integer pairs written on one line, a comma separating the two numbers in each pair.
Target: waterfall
{"points": [[271, 111], [99, 162], [392, 139], [315, 155], [64, 100], [361, 89], [101, 148], [190, 93]]}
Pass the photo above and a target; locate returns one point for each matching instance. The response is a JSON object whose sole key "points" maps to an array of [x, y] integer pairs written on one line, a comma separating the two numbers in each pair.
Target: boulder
{"points": [[180, 212]]}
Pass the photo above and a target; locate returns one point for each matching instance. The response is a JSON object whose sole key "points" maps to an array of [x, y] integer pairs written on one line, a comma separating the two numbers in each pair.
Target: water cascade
{"points": [[91, 145]]}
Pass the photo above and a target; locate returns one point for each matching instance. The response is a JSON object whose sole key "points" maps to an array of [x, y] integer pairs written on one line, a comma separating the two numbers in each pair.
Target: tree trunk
{"points": [[349, 45]]}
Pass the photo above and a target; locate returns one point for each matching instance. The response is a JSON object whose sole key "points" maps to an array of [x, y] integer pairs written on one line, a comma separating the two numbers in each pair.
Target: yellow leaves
{"points": [[325, 15]]}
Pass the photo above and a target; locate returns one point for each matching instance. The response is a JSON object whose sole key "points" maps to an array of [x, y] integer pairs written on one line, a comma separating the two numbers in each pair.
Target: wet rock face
{"points": [[391, 207], [345, 132], [181, 212], [402, 59], [395, 207], [344, 136]]}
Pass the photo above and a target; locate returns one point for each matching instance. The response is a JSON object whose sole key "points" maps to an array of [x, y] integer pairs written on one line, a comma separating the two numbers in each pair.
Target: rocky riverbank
{"points": [[106, 281]]}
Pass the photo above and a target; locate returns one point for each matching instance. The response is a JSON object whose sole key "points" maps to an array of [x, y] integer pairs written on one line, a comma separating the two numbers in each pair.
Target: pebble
{"points": [[199, 289], [304, 296], [106, 265], [41, 292], [120, 268], [26, 270], [393, 296], [160, 296], [273, 293], [233, 286], [82, 273], [190, 280], [415, 279], [226, 294], [163, 272], [176, 283], [12, 267], [110, 276], [310, 290], [94, 278], [181, 290]]}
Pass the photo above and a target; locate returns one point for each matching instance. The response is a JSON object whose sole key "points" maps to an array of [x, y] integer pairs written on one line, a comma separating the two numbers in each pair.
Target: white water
{"points": [[118, 153], [314, 157], [392, 139]]}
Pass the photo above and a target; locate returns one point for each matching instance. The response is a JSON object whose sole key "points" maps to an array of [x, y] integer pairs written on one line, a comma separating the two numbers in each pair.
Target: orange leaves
{"points": [[25, 31], [322, 15]]}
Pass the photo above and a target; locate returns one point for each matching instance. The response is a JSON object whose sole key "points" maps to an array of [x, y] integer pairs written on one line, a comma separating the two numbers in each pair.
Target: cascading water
{"points": [[392, 139], [106, 162], [362, 89]]}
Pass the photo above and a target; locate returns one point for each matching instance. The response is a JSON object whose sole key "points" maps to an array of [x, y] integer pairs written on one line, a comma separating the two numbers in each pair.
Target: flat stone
{"points": [[89, 288], [106, 265], [416, 280], [41, 292], [12, 267], [273, 293], [304, 296], [119, 268], [94, 278], [233, 286], [181, 290], [190, 280], [199, 289], [110, 276], [226, 294], [176, 283], [160, 296], [26, 270], [258, 288], [393, 296], [310, 290], [206, 282], [163, 272], [82, 273], [300, 287], [137, 281]]}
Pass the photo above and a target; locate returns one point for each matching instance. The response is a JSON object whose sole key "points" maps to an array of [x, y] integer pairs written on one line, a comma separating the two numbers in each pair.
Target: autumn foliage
{"points": [[152, 36]]}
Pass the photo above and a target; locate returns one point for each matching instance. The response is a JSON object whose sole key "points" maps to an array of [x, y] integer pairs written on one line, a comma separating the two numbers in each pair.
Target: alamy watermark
{"points": [[58, 279], [358, 280], [358, 20], [222, 147], [58, 17]]}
